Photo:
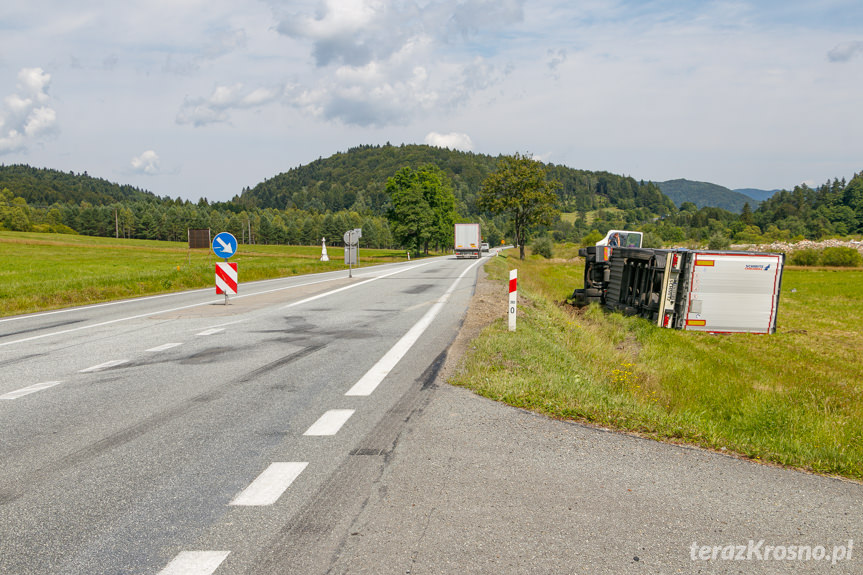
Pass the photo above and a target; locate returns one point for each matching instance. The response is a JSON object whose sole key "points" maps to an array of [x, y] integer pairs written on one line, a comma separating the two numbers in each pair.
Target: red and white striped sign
{"points": [[226, 278]]}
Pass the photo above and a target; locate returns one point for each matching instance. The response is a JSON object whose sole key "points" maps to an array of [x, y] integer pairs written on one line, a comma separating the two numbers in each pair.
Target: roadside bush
{"points": [[718, 241], [841, 257], [591, 239], [807, 257], [542, 246], [651, 240]]}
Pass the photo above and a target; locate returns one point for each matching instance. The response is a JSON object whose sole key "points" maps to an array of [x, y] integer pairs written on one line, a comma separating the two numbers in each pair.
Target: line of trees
{"points": [[169, 222]]}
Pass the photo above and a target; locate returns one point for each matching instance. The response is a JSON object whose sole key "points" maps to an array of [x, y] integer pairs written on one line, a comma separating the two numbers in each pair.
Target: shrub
{"points": [[651, 240], [591, 239], [807, 257], [718, 241], [841, 257], [542, 246]]}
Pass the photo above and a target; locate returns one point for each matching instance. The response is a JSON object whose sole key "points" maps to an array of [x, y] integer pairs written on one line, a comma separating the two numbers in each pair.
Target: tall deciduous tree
{"points": [[519, 187], [423, 207]]}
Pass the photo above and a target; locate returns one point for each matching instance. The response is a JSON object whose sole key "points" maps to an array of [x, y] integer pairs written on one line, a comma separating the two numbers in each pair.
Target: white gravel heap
{"points": [[788, 247]]}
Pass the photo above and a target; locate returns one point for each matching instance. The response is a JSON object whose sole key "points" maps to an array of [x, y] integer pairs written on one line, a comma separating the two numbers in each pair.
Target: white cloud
{"points": [[24, 118], [453, 141], [146, 164], [215, 108]]}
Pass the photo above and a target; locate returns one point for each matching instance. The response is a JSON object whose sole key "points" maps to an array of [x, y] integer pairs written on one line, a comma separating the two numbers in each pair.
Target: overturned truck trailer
{"points": [[698, 290]]}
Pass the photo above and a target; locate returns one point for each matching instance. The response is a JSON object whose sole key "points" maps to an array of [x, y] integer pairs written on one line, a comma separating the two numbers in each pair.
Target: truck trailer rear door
{"points": [[733, 292]]}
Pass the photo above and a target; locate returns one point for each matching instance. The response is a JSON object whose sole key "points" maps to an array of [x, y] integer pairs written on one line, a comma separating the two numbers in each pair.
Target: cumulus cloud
{"points": [[357, 32], [24, 117], [215, 108], [146, 164], [845, 51], [453, 141], [381, 62]]}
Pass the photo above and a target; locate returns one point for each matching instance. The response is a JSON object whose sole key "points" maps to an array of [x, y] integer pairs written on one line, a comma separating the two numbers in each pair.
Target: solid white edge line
{"points": [[210, 302], [30, 389], [106, 365], [373, 377], [330, 422], [270, 484], [195, 563]]}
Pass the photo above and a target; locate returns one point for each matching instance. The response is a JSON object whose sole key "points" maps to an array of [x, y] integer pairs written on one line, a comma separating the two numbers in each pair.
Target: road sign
{"points": [[352, 243], [224, 245], [226, 278]]}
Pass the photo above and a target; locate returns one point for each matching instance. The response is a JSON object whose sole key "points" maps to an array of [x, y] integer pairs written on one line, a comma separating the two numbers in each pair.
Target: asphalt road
{"points": [[179, 435], [305, 430]]}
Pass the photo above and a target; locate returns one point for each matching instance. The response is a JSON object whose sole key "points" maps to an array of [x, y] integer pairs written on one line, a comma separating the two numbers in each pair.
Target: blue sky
{"points": [[200, 98]]}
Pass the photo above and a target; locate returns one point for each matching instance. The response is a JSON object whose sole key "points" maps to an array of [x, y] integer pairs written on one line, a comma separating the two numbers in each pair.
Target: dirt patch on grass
{"points": [[489, 302]]}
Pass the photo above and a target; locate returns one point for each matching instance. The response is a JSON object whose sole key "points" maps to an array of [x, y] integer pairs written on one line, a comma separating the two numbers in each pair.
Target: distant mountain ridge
{"points": [[356, 180], [705, 194], [43, 187], [756, 194]]}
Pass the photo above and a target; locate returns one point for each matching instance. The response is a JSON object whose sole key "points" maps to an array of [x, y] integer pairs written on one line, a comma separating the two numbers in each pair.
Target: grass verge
{"points": [[49, 271], [793, 398]]}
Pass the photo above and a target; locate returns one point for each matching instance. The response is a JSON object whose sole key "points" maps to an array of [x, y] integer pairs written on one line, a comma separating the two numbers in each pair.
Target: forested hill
{"points": [[356, 179], [44, 187], [705, 194]]}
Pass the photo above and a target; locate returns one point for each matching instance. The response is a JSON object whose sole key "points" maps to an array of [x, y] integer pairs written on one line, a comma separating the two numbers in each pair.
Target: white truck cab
{"points": [[621, 239]]}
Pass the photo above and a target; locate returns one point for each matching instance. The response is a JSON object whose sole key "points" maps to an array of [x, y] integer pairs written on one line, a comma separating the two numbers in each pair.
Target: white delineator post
{"points": [[513, 285]]}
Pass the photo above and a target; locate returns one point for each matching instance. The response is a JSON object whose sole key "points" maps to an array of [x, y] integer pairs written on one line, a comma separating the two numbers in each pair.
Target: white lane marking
{"points": [[351, 286], [163, 311], [164, 347], [28, 390], [211, 331], [195, 563], [106, 365], [330, 423], [269, 486], [373, 377]]}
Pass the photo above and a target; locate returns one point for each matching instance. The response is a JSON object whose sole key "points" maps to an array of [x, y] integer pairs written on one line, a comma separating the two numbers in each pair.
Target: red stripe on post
{"points": [[512, 284]]}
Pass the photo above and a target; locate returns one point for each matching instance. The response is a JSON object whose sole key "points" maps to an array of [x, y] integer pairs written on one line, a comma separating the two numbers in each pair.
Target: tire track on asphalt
{"points": [[26, 483]]}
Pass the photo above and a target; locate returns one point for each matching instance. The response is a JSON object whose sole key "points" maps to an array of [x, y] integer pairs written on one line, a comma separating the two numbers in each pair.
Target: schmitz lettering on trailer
{"points": [[758, 267]]}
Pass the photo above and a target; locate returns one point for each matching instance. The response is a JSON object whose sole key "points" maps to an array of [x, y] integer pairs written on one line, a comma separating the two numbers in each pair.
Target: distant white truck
{"points": [[467, 241], [698, 290]]}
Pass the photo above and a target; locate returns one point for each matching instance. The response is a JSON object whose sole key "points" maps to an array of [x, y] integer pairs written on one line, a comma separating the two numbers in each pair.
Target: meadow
{"points": [[793, 398], [47, 271]]}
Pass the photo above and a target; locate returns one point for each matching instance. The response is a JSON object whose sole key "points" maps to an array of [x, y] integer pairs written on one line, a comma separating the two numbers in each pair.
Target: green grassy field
{"points": [[47, 271], [793, 398]]}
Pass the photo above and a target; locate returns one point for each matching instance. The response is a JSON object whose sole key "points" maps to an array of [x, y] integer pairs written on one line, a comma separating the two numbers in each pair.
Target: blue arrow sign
{"points": [[224, 245]]}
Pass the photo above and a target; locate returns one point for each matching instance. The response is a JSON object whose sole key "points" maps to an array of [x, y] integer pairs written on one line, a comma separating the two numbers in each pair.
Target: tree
{"points": [[520, 188], [423, 207]]}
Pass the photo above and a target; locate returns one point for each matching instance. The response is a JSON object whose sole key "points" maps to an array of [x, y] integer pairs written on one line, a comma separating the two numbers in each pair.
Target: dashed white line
{"points": [[106, 365], [269, 486], [195, 563], [164, 347], [373, 377], [28, 390], [330, 423], [211, 331]]}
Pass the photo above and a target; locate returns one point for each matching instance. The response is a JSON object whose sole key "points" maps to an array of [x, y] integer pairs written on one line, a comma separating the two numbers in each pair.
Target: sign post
{"points": [[225, 246], [513, 297], [352, 239]]}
